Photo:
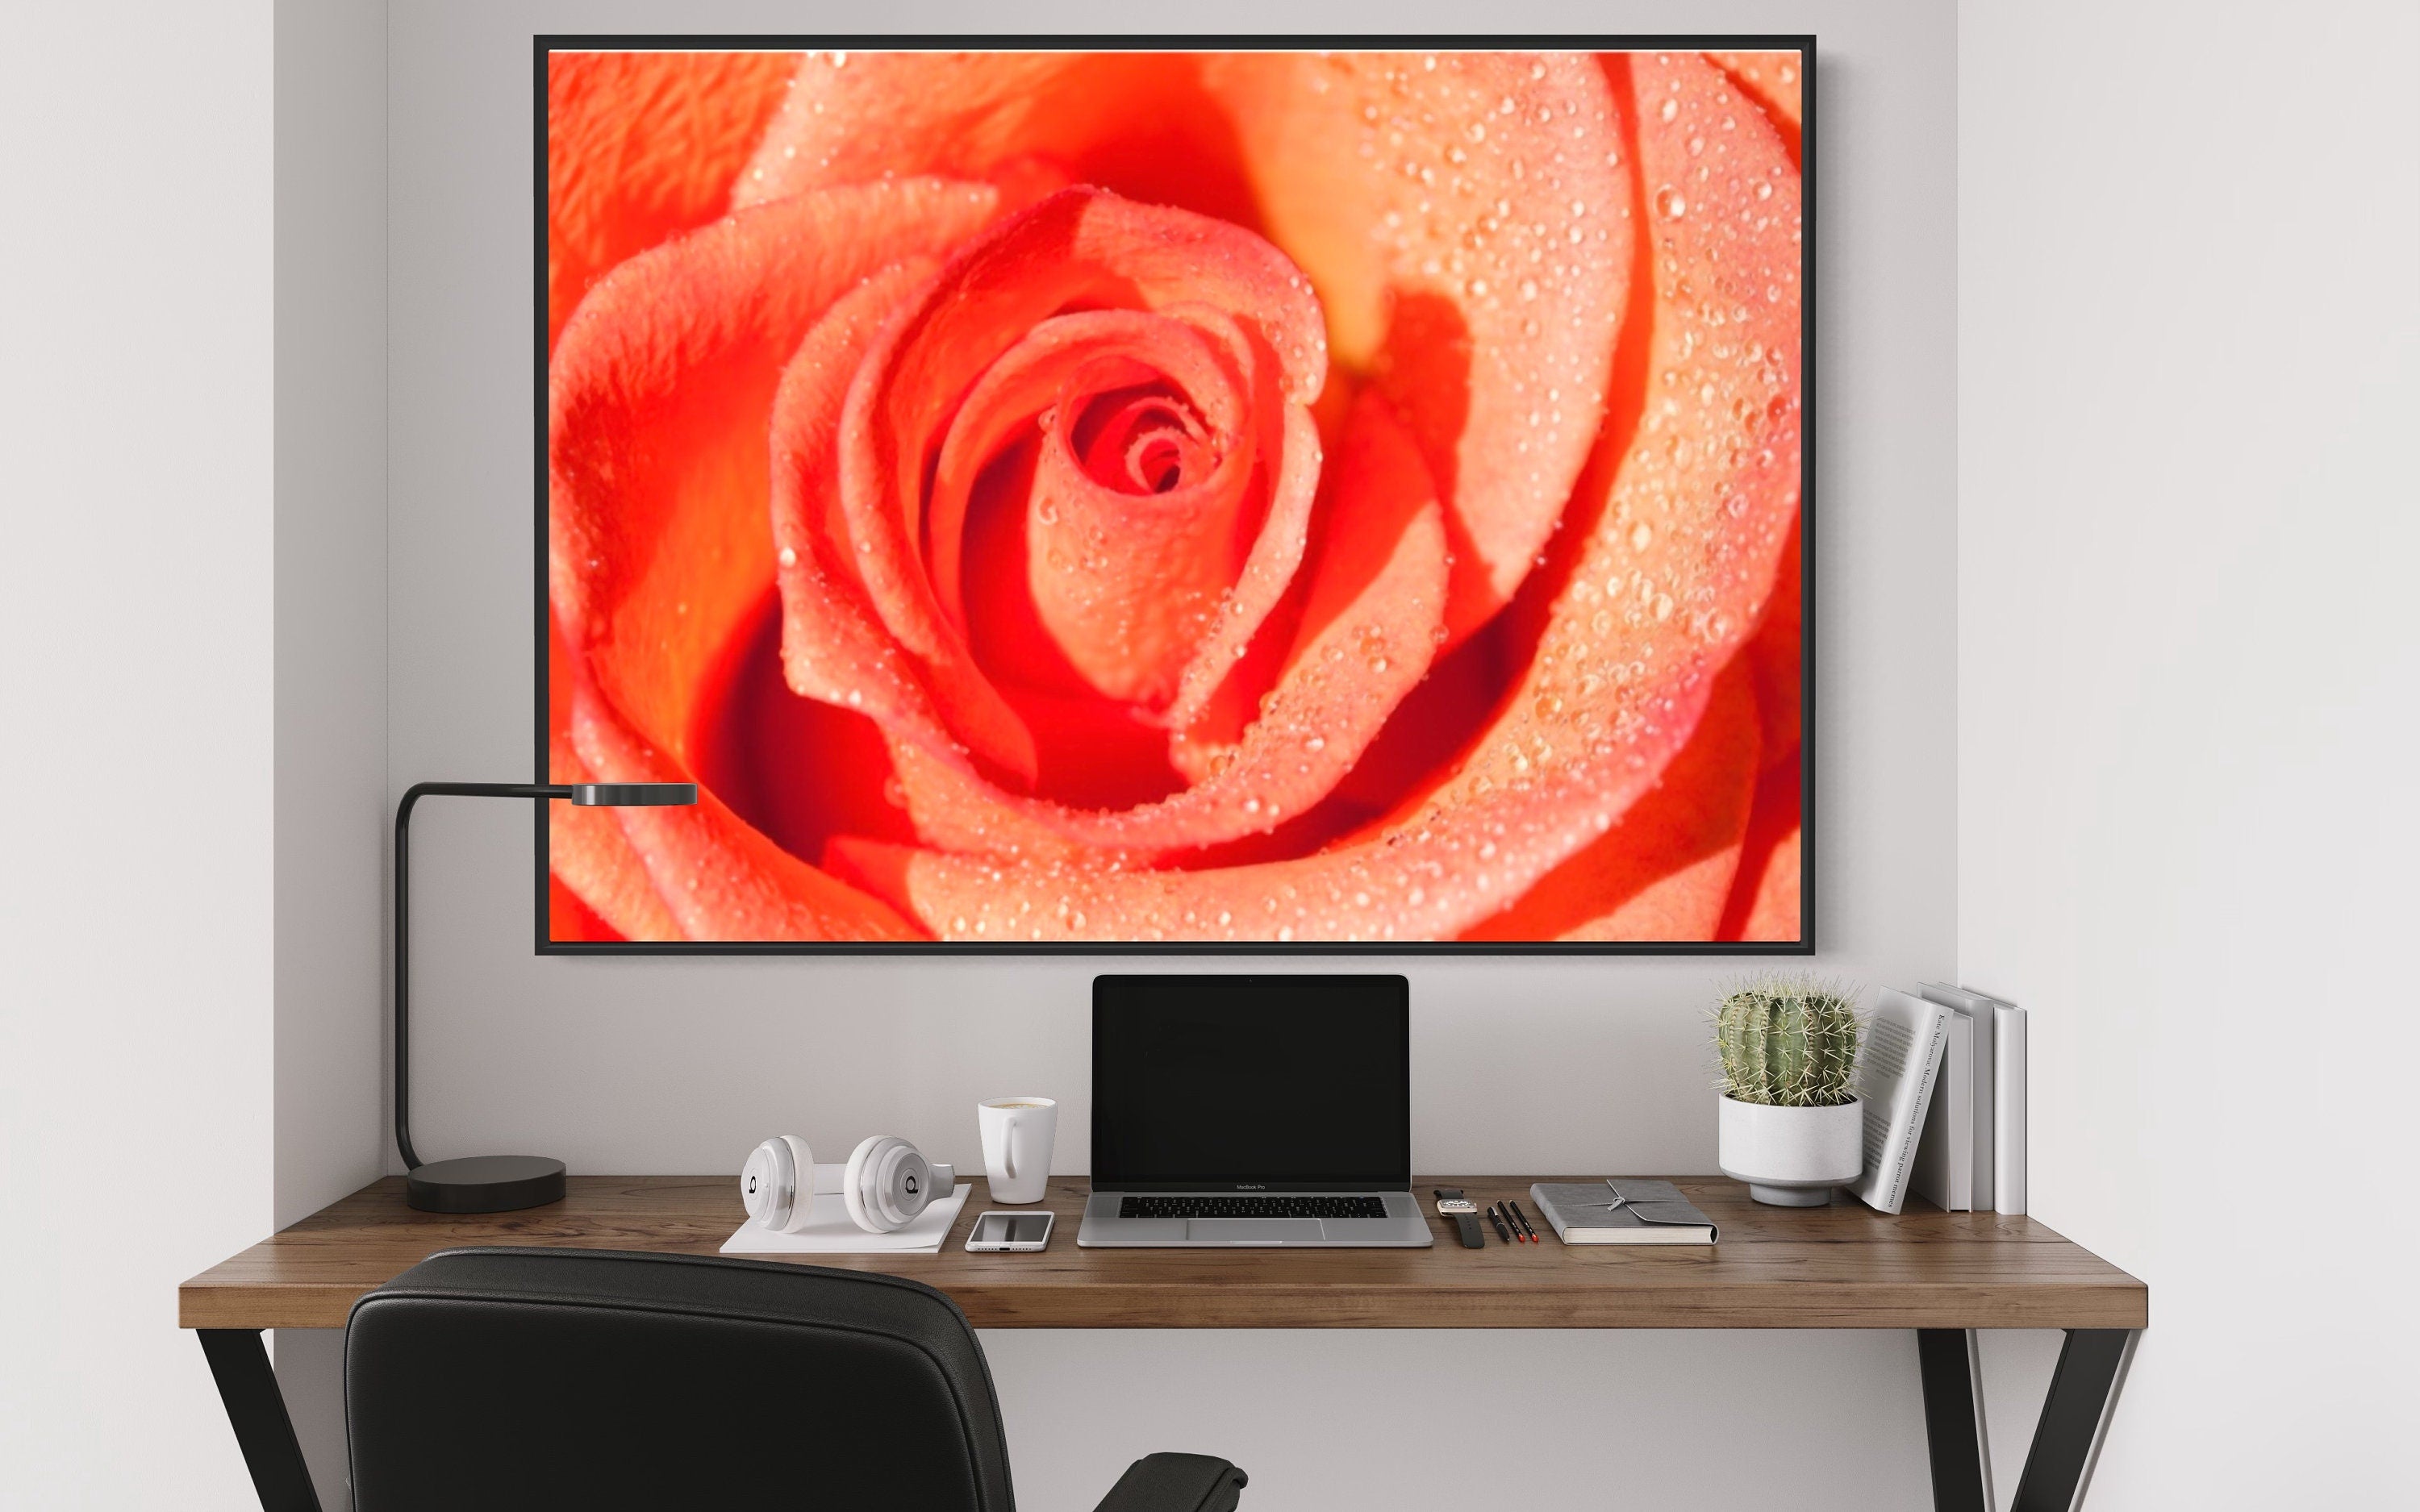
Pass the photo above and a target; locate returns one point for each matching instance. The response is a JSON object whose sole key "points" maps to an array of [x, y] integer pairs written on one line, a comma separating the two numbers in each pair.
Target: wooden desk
{"points": [[1942, 1275]]}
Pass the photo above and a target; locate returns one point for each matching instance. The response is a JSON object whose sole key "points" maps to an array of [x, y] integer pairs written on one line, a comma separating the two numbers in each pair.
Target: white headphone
{"points": [[887, 1183]]}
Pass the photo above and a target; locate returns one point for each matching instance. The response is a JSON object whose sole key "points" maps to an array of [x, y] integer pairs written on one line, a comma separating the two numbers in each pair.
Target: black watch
{"points": [[1451, 1204]]}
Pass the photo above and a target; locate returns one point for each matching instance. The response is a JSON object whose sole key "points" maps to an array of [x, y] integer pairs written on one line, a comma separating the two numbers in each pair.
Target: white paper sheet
{"points": [[829, 1233]]}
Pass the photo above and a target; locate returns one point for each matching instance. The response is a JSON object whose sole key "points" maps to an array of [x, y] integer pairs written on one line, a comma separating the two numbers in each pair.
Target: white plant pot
{"points": [[1792, 1157]]}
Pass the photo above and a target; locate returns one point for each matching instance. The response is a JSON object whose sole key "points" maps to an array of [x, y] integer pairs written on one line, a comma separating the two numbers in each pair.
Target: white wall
{"points": [[331, 646], [664, 1065], [2189, 354], [137, 757]]}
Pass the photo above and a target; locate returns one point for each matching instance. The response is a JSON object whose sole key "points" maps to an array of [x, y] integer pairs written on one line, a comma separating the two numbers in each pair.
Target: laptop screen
{"points": [[1242, 1084]]}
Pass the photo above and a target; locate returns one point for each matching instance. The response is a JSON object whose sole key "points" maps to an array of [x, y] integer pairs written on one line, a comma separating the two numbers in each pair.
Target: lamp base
{"points": [[484, 1183]]}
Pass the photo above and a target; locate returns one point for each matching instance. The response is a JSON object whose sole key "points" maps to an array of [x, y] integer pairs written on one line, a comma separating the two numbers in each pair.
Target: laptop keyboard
{"points": [[1278, 1206]]}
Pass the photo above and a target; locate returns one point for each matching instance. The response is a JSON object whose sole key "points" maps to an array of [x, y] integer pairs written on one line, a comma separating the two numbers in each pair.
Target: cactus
{"points": [[1790, 1041]]}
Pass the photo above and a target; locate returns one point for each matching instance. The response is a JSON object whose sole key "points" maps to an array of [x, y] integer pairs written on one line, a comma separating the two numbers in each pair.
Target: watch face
{"points": [[1456, 1205]]}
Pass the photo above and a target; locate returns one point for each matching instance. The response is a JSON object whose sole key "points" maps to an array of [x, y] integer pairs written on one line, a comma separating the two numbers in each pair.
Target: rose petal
{"points": [[571, 921], [717, 877], [1689, 520], [1267, 572], [1368, 630], [660, 389], [1137, 123], [1693, 511], [1772, 80], [587, 853], [798, 769], [1775, 656], [1466, 219], [641, 146], [1692, 504], [1765, 902], [660, 392], [1665, 870], [1775, 914], [835, 646], [591, 858]]}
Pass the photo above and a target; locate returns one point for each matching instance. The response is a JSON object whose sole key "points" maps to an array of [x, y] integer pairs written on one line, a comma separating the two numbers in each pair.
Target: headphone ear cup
{"points": [[888, 1183], [802, 1163], [777, 1185]]}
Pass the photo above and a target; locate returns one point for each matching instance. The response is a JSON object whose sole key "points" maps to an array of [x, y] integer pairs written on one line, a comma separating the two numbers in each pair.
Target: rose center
{"points": [[1145, 438], [1134, 525]]}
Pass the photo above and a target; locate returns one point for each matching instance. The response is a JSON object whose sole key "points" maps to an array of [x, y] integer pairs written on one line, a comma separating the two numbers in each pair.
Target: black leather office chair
{"points": [[594, 1379]]}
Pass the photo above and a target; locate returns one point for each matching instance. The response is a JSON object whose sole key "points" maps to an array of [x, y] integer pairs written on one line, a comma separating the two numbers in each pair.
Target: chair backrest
{"points": [[594, 1379]]}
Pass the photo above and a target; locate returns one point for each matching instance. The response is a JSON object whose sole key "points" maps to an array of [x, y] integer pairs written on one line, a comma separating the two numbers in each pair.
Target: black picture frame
{"points": [[545, 43]]}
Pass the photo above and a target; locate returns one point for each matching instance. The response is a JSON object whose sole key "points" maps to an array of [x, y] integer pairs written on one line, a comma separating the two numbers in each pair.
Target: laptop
{"points": [[1234, 1112]]}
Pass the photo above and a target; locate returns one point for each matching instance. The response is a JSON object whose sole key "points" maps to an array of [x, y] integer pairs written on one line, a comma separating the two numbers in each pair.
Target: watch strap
{"points": [[1464, 1223]]}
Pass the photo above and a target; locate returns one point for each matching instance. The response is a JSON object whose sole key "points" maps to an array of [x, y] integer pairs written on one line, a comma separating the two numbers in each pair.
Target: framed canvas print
{"points": [[1062, 494]]}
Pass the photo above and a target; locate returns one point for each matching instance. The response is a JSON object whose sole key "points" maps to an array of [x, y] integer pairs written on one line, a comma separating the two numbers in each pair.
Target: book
{"points": [[1943, 1172], [2000, 1034], [1897, 1069], [1983, 1041], [2009, 1137], [1622, 1209]]}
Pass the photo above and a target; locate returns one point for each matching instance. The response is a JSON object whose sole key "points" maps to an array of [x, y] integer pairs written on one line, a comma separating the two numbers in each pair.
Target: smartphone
{"points": [[1010, 1230]]}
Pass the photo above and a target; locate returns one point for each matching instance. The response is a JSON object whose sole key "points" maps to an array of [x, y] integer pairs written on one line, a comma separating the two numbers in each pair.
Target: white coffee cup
{"points": [[1017, 1136]]}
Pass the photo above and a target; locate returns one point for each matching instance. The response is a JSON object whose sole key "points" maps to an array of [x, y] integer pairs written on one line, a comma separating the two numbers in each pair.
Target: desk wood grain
{"points": [[1844, 1266]]}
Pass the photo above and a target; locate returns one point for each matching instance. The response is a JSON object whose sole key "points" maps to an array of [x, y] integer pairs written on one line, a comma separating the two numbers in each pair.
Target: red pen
{"points": [[1523, 1219]]}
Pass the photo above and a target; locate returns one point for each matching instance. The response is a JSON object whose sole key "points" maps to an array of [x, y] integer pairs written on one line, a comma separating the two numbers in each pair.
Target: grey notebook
{"points": [[1622, 1209]]}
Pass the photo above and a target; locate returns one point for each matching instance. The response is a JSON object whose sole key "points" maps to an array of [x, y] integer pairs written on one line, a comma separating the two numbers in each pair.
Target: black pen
{"points": [[1498, 1219], [1523, 1219]]}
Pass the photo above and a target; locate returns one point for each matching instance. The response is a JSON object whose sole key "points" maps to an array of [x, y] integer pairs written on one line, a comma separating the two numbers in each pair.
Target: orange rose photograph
{"points": [[1077, 496]]}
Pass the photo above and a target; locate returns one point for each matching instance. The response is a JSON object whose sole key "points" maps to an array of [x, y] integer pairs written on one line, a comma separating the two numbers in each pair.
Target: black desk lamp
{"points": [[482, 1183]]}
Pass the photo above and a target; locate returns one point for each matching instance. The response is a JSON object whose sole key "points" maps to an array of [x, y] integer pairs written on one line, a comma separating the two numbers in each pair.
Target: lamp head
{"points": [[632, 795]]}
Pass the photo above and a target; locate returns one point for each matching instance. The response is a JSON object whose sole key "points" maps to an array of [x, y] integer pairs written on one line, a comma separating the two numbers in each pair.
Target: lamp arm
{"points": [[403, 929]]}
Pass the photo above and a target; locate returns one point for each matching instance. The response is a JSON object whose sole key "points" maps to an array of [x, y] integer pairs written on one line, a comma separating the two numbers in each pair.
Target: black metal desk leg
{"points": [[257, 1411], [2074, 1416], [1953, 1420]]}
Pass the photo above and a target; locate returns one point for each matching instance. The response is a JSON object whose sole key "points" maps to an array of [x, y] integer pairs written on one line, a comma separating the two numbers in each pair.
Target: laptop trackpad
{"points": [[1254, 1231]]}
